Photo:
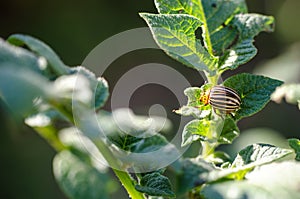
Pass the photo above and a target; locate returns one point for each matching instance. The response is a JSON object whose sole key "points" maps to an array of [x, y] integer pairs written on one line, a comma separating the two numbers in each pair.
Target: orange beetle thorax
{"points": [[205, 97]]}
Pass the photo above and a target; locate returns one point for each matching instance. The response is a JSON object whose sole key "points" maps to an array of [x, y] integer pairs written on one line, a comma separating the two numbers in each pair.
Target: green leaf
{"points": [[135, 140], [70, 88], [227, 31], [250, 157], [259, 154], [41, 49], [290, 92], [149, 144], [175, 34], [98, 86], [192, 173], [20, 89], [193, 111], [101, 92], [155, 184], [240, 54], [255, 92], [191, 7], [295, 144], [229, 132], [214, 15], [194, 94], [78, 179], [248, 26], [19, 57], [194, 106], [205, 130], [195, 130]]}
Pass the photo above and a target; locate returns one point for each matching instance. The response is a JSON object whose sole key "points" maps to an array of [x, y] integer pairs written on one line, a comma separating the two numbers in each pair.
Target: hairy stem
{"points": [[127, 182], [207, 147]]}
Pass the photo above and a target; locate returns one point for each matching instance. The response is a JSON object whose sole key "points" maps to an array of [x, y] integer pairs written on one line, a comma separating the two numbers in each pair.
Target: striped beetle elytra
{"points": [[222, 98]]}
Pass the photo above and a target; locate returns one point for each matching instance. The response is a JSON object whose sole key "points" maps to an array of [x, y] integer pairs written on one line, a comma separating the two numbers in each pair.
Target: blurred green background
{"points": [[73, 28]]}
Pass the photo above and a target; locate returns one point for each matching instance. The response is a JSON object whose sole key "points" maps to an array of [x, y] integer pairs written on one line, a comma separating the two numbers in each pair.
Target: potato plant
{"points": [[212, 36]]}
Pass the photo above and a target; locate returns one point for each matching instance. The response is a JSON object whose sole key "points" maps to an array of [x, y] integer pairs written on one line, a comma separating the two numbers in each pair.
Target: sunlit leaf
{"points": [[255, 92], [175, 34]]}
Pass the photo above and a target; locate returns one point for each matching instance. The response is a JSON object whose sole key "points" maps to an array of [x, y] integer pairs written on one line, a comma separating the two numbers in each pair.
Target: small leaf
{"points": [[193, 111], [295, 144], [195, 130], [41, 49], [229, 132], [194, 94], [155, 184], [78, 179], [255, 92], [194, 106], [101, 92], [98, 86], [19, 57], [73, 87], [175, 34]]}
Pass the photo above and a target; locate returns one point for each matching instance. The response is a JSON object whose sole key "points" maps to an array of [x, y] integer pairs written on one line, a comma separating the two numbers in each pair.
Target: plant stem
{"points": [[50, 135], [127, 182], [124, 177], [209, 148], [212, 79]]}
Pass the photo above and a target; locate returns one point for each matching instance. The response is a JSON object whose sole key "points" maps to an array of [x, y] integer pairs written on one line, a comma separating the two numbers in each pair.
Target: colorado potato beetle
{"points": [[222, 99]]}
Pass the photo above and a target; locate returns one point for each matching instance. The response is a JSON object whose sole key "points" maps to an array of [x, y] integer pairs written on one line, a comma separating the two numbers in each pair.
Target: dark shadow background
{"points": [[72, 29]]}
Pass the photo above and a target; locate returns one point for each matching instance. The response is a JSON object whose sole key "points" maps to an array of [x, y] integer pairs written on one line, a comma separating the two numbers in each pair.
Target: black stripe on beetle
{"points": [[222, 98]]}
